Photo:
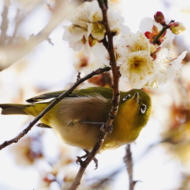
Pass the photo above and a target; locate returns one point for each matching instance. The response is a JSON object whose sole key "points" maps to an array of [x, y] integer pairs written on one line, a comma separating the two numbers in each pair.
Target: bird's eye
{"points": [[143, 108], [126, 97]]}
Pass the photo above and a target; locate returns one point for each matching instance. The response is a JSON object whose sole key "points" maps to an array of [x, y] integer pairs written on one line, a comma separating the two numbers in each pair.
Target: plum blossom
{"points": [[138, 68], [146, 58], [170, 67], [135, 57], [144, 63], [86, 29]]}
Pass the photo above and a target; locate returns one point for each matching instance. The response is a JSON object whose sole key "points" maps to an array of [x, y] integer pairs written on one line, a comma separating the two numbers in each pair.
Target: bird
{"points": [[77, 118]]}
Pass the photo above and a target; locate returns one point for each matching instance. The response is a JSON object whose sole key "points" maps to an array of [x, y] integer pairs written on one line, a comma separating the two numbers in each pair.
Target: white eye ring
{"points": [[126, 97], [143, 108]]}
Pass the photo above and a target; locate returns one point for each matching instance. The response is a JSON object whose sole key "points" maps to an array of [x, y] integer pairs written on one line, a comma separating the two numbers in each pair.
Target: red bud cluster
{"points": [[159, 18]]}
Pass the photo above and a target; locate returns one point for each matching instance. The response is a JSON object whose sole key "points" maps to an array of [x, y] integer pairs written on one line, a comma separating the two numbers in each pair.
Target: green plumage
{"points": [[78, 117], [92, 91]]}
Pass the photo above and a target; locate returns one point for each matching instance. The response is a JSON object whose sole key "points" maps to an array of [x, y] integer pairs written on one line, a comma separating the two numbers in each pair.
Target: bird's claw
{"points": [[80, 161], [96, 162], [84, 163]]}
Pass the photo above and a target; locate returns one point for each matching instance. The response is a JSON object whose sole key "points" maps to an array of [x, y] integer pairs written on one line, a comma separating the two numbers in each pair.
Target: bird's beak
{"points": [[136, 97]]}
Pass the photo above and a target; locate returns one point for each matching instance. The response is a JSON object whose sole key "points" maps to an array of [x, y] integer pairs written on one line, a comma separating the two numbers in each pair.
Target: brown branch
{"points": [[129, 163], [51, 105], [115, 99], [16, 23]]}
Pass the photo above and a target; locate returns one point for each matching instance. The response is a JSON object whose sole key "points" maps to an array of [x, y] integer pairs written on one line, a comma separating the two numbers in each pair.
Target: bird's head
{"points": [[137, 104]]}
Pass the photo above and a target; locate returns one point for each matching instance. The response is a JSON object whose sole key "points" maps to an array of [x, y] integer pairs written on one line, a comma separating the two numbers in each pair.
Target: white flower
{"points": [[86, 29], [119, 49], [170, 67], [133, 53], [145, 64], [138, 68], [131, 42]]}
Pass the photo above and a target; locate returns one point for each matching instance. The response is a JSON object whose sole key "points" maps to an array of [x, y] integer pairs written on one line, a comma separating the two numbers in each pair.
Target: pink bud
{"points": [[159, 17]]}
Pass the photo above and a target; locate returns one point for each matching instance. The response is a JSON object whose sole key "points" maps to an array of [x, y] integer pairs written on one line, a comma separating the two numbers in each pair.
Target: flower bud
{"points": [[177, 27], [159, 17], [91, 41]]}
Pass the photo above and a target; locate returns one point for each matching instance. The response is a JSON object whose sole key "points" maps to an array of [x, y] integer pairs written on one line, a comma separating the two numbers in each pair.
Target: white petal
{"points": [[133, 42], [66, 34], [125, 29], [181, 57], [101, 53], [147, 23], [77, 34], [76, 46]]}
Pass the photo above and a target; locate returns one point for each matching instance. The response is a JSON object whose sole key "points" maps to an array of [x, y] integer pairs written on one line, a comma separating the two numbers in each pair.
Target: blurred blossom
{"points": [[181, 150], [103, 80], [185, 183], [172, 108], [86, 64], [63, 177], [29, 151]]}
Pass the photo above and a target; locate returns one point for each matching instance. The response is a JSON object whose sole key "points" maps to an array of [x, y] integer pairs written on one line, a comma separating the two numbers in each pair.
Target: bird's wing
{"points": [[92, 91]]}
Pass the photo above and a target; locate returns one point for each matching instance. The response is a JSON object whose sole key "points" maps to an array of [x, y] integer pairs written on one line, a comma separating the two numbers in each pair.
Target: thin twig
{"points": [[115, 99], [4, 24], [16, 23], [16, 27], [51, 105], [129, 163], [12, 53]]}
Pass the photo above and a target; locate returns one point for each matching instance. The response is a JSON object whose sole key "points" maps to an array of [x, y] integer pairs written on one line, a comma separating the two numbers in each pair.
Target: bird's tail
{"points": [[8, 109]]}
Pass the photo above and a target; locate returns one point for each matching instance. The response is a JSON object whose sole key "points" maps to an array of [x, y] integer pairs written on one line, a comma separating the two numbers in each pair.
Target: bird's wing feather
{"points": [[92, 91]]}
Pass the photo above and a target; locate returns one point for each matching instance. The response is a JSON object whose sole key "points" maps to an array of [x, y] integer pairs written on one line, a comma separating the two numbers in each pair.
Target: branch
{"points": [[4, 24], [129, 163], [51, 105], [115, 99], [12, 53], [16, 27]]}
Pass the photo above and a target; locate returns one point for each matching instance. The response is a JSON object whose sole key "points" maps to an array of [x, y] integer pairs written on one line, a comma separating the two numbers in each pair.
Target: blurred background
{"points": [[34, 59]]}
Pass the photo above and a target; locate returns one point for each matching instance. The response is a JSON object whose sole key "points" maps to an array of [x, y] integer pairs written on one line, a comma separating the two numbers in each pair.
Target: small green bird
{"points": [[78, 117]]}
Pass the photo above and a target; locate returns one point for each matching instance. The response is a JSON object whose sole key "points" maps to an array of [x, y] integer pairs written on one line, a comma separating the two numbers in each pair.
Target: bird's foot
{"points": [[83, 163], [102, 128]]}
